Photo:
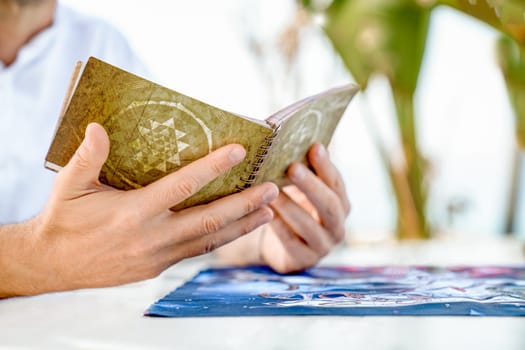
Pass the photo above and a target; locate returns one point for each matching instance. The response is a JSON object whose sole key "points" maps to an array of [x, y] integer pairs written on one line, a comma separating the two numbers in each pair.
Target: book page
{"points": [[300, 125]]}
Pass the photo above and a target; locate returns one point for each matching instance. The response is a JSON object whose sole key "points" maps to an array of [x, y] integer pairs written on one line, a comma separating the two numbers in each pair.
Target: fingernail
{"points": [[88, 130], [270, 194], [298, 172], [87, 142], [321, 151], [237, 154]]}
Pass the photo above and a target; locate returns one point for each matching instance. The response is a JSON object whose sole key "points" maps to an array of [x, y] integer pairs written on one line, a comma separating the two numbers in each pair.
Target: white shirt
{"points": [[31, 93]]}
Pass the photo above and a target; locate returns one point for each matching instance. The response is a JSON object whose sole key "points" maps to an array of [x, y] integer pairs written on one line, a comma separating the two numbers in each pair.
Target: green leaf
{"points": [[511, 59], [507, 16], [380, 37]]}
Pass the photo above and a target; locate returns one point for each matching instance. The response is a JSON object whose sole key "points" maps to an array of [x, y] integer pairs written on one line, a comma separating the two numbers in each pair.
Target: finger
{"points": [[297, 256], [327, 171], [203, 220], [302, 224], [181, 184], [300, 198], [210, 242], [324, 199], [81, 173]]}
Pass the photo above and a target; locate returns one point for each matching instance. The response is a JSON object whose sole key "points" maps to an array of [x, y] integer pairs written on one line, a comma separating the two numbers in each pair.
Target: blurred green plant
{"points": [[508, 16], [511, 59], [388, 37]]}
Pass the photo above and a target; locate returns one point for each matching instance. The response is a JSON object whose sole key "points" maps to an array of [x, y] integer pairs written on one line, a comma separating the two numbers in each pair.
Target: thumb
{"points": [[83, 169]]}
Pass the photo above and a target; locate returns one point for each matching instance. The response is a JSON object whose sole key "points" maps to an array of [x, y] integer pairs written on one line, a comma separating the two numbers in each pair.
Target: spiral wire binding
{"points": [[253, 168]]}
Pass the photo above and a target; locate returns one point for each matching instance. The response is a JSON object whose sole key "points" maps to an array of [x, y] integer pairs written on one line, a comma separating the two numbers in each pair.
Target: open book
{"points": [[154, 131]]}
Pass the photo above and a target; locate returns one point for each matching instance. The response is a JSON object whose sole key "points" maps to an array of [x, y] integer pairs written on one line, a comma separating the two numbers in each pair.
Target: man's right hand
{"points": [[91, 235]]}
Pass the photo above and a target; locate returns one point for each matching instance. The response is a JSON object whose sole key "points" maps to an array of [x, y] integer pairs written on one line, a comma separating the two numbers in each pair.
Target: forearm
{"points": [[244, 250], [15, 250]]}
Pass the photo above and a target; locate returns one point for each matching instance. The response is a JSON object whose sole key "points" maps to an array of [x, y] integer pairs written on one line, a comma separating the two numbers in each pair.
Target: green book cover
{"points": [[154, 131]]}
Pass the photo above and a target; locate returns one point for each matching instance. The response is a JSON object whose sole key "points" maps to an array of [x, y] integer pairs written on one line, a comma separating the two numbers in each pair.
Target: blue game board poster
{"points": [[349, 290]]}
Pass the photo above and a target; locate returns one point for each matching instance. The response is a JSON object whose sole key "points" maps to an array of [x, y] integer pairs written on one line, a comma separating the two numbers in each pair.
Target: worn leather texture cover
{"points": [[154, 131]]}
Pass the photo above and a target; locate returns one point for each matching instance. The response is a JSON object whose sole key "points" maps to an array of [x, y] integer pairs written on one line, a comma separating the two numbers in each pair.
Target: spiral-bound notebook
{"points": [[154, 131], [350, 291]]}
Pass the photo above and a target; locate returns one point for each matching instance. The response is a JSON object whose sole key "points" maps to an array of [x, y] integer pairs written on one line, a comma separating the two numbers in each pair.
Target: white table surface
{"points": [[112, 318]]}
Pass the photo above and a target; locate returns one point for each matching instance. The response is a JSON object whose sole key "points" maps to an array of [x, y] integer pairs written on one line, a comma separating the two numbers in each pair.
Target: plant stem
{"points": [[514, 191], [412, 219]]}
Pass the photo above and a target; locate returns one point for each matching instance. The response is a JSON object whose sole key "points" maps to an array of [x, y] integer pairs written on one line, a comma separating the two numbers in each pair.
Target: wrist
{"points": [[17, 252], [245, 250]]}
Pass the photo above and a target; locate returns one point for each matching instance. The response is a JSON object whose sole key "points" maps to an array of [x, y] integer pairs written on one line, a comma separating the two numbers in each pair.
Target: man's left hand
{"points": [[309, 215]]}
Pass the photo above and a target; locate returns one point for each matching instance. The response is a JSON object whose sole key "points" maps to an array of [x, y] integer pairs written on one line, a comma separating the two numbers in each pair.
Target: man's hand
{"points": [[91, 235], [309, 218], [308, 223]]}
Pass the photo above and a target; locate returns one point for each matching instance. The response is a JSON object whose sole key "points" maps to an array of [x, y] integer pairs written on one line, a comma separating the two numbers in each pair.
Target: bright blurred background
{"points": [[230, 53]]}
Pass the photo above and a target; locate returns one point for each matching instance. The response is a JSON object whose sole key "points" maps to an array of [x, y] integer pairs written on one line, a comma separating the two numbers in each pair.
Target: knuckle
{"points": [[337, 183], [333, 212], [285, 263], [185, 188], [251, 205], [336, 177], [210, 245], [135, 252], [247, 228], [289, 266], [217, 167], [130, 218], [212, 223], [254, 221], [82, 161]]}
